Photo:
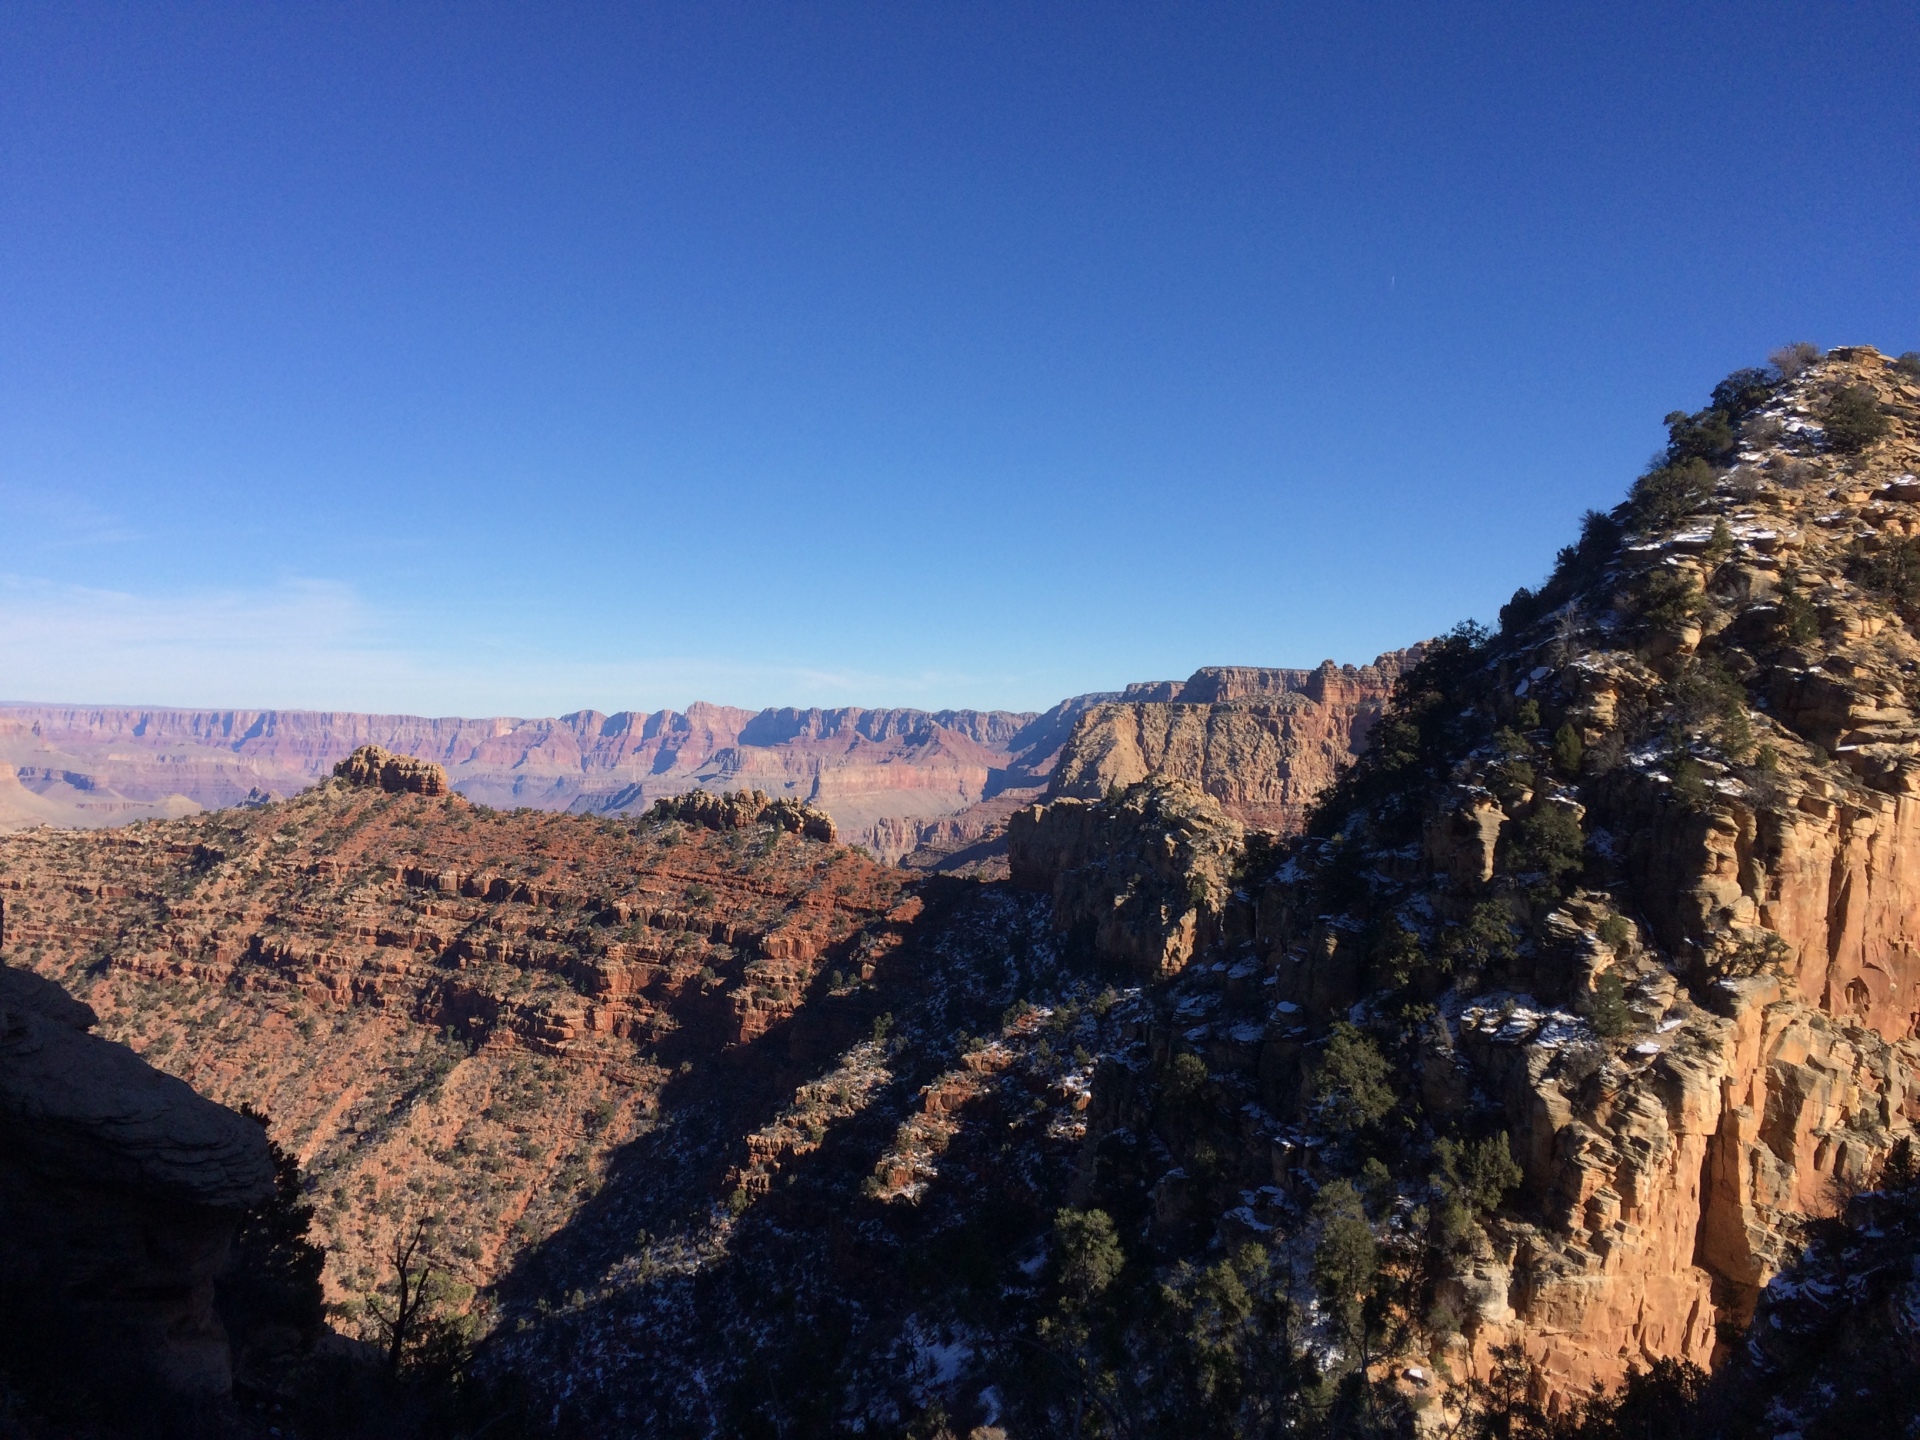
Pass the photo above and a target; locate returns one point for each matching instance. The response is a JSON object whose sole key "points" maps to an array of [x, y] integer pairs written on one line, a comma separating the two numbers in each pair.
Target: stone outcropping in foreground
{"points": [[1146, 875], [120, 1189]]}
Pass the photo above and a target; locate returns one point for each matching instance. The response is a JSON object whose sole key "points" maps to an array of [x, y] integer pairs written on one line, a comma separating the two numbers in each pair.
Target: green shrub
{"points": [[1546, 840], [1485, 940], [1512, 774], [1690, 786], [1090, 1256], [1670, 599], [1667, 495], [1615, 932], [1743, 392], [1704, 435], [1703, 690], [1799, 620], [1719, 544], [1908, 364], [1854, 420], [275, 1275], [1398, 956], [1582, 562], [1567, 751], [1347, 1259], [1519, 612], [1480, 1173], [1352, 1085], [1607, 1006], [1183, 1092], [1891, 572]]}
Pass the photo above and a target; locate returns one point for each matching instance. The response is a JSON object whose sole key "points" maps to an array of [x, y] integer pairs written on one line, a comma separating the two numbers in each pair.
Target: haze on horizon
{"points": [[491, 361]]}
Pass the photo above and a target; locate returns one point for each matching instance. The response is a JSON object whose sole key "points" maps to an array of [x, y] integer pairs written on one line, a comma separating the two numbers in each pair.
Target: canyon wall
{"points": [[84, 765], [1637, 882], [1263, 743], [941, 783], [448, 1012]]}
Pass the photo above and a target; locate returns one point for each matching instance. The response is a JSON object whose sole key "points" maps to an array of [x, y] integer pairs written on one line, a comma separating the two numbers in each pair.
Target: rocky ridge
{"points": [[91, 766], [1627, 891], [895, 781], [451, 1014]]}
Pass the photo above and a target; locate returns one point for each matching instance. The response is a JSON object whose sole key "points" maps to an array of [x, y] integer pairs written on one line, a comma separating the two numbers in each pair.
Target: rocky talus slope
{"points": [[1628, 892], [120, 1190], [451, 1014]]}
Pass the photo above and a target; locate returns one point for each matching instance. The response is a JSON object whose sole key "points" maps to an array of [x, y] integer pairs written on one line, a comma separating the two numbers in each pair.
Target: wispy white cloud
{"points": [[317, 644]]}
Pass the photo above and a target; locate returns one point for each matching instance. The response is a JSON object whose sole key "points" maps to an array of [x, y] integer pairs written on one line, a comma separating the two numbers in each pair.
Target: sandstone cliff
{"points": [[1263, 743], [1628, 888], [120, 1189], [1145, 875]]}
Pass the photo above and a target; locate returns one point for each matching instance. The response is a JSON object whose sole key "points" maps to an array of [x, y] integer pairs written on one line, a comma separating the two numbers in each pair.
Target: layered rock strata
{"points": [[449, 1013], [1263, 743], [94, 766], [381, 769], [1146, 876]]}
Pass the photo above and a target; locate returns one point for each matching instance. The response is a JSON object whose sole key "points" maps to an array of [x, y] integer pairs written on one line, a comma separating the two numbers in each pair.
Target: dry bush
{"points": [[1792, 360]]}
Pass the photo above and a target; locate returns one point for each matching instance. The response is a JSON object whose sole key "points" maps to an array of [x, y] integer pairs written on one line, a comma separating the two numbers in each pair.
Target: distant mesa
{"points": [[381, 769]]}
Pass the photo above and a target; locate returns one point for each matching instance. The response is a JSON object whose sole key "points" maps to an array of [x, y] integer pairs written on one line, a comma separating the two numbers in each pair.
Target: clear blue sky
{"points": [[476, 358]]}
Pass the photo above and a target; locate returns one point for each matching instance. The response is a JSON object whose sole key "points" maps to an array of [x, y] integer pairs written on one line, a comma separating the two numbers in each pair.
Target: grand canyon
{"points": [[1518, 1034]]}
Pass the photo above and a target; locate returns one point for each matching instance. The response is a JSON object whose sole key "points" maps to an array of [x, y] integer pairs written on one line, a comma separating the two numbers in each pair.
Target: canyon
{"points": [[1491, 1023], [893, 780]]}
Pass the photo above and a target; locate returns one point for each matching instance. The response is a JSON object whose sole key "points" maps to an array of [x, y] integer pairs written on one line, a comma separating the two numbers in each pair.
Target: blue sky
{"points": [[490, 359]]}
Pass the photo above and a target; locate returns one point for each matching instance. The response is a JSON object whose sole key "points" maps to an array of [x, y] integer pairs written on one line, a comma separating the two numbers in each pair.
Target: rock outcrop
{"points": [[1146, 875], [396, 774], [103, 766], [120, 1189], [1263, 743], [1633, 881], [738, 810]]}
